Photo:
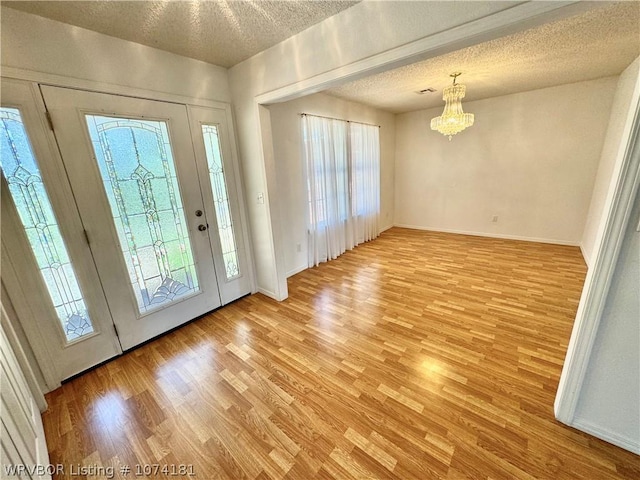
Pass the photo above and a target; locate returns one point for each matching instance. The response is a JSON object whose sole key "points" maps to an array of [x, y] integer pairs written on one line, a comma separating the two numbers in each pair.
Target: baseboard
{"points": [[491, 235], [608, 436], [293, 272], [268, 293], [586, 258], [391, 225]]}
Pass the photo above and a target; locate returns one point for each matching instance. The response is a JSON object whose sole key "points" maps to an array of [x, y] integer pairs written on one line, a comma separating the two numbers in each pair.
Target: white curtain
{"points": [[343, 180], [365, 166]]}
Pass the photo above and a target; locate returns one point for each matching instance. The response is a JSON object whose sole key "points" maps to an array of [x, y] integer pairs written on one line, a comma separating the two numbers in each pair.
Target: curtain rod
{"points": [[341, 119]]}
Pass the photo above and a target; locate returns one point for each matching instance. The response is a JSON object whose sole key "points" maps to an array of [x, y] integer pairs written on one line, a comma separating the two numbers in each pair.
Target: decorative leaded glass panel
{"points": [[221, 200], [20, 168], [139, 175]]}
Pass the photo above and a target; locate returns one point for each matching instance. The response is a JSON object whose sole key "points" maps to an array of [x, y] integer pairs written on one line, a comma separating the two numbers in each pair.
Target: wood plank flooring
{"points": [[416, 356]]}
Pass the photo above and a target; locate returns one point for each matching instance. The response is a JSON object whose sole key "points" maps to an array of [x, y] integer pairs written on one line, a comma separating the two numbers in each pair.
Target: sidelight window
{"points": [[21, 171]]}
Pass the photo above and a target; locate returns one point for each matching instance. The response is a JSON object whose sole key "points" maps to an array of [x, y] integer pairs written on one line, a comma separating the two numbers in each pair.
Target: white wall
{"points": [[530, 159], [619, 113], [609, 401], [356, 34], [35, 43], [292, 188]]}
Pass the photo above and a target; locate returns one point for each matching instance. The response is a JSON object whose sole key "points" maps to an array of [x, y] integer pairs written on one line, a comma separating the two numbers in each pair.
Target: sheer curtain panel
{"points": [[365, 173], [343, 180], [325, 151]]}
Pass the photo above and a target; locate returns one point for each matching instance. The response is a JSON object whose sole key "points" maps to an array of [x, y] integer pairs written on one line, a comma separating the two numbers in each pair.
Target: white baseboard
{"points": [[603, 433], [391, 225], [587, 260], [296, 270], [491, 235], [268, 293]]}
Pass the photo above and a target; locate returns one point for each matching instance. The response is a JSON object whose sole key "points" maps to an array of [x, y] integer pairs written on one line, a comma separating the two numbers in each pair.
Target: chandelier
{"points": [[453, 120]]}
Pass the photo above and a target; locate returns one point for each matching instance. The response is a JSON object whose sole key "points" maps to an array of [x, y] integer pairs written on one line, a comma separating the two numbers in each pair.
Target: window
{"points": [[20, 169], [343, 182], [328, 176], [221, 199], [365, 169], [139, 176]]}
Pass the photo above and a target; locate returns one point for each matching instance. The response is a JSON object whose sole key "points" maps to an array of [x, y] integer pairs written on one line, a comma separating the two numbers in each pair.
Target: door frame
{"points": [[38, 340], [623, 188]]}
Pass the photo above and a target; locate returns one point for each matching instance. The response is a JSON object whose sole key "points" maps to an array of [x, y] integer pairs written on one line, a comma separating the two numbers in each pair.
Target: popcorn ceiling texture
{"points": [[223, 33], [596, 44]]}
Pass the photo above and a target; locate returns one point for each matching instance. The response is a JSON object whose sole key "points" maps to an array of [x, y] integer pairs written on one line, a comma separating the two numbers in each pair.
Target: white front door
{"points": [[133, 172], [126, 220]]}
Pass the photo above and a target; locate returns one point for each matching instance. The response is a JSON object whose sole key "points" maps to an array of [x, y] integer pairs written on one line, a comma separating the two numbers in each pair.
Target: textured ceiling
{"points": [[599, 43], [222, 32]]}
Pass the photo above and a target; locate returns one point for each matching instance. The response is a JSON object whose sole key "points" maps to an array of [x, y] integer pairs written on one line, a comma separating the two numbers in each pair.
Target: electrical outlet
{"points": [[495, 219], [260, 198], [298, 248]]}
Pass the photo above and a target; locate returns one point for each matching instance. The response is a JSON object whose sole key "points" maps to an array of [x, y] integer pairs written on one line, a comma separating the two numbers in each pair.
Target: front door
{"points": [[133, 172]]}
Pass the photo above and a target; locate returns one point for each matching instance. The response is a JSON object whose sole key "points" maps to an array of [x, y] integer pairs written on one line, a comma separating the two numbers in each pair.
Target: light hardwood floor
{"points": [[415, 356]]}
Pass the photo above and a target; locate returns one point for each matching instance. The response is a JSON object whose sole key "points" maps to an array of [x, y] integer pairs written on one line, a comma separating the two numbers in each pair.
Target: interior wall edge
{"points": [[587, 258], [617, 116], [617, 209], [296, 270], [22, 350]]}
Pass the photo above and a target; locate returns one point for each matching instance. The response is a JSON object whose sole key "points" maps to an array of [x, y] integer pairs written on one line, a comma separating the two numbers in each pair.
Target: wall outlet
{"points": [[260, 198], [495, 219], [298, 248]]}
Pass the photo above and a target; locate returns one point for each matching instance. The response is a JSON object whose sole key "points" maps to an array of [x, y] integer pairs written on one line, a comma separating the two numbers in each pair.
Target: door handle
{"points": [[202, 227]]}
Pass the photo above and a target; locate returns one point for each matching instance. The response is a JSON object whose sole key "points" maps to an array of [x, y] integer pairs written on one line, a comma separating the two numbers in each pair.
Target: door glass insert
{"points": [[139, 176], [221, 200], [20, 169]]}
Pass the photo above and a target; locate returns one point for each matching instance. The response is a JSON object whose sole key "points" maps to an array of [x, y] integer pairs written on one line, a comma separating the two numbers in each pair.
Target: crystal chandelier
{"points": [[453, 120]]}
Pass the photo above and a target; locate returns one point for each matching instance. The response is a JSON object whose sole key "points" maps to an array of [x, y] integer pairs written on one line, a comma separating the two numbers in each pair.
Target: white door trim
{"points": [[22, 437], [54, 80], [27, 318], [618, 206], [22, 359]]}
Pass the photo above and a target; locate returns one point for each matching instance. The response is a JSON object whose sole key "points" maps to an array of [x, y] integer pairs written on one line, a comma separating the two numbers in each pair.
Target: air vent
{"points": [[426, 90]]}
